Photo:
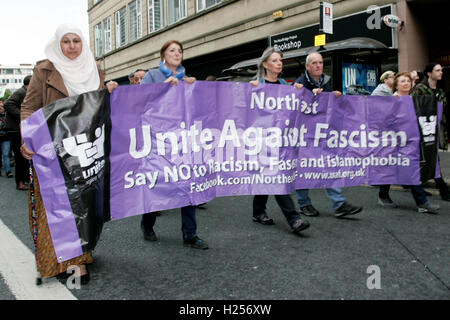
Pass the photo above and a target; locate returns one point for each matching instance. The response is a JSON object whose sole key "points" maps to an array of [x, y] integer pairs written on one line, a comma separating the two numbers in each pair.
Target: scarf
{"points": [[167, 72], [79, 75]]}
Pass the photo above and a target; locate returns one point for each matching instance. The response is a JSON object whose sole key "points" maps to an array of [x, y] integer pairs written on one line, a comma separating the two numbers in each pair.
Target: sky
{"points": [[27, 26]]}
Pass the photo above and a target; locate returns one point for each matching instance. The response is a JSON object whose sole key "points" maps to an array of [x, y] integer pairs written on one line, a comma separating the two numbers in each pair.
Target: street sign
{"points": [[320, 40], [326, 17]]}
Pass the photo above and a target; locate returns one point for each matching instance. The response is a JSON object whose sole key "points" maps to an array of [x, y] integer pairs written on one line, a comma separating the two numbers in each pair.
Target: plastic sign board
{"points": [[392, 21], [320, 40], [326, 17]]}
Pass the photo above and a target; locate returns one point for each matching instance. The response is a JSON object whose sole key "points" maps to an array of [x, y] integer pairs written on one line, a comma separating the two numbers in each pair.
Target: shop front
{"points": [[357, 52]]}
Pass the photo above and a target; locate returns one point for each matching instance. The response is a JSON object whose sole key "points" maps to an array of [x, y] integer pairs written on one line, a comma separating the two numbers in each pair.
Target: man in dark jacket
{"points": [[429, 86], [316, 81], [12, 107]]}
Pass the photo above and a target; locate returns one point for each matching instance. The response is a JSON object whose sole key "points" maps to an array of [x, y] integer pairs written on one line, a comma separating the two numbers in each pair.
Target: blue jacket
{"points": [[153, 76], [310, 84]]}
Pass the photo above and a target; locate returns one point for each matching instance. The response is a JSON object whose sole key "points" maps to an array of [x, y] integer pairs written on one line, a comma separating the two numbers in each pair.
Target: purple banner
{"points": [[172, 146], [156, 147]]}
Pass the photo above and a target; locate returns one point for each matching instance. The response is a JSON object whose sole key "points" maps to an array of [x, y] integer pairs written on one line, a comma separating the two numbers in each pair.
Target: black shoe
{"points": [[9, 174], [309, 211], [149, 235], [299, 225], [346, 209], [263, 219], [445, 196], [196, 243]]}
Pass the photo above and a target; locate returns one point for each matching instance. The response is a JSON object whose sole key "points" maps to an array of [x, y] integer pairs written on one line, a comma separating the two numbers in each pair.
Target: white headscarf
{"points": [[79, 75]]}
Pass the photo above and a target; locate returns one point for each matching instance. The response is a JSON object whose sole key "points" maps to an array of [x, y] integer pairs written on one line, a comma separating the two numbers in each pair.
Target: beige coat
{"points": [[46, 86]]}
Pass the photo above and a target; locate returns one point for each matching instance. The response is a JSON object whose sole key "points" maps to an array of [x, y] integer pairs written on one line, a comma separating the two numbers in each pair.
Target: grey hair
{"points": [[308, 57], [265, 56]]}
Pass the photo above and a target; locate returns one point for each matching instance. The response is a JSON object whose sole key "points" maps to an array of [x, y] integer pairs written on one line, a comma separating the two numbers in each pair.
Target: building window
{"points": [[205, 4], [98, 40], [135, 11], [121, 37], [155, 15], [176, 10], [108, 34], [97, 1]]}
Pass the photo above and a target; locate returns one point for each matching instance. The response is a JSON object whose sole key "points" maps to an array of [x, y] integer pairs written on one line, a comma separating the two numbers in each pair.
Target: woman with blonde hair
{"points": [[270, 66]]}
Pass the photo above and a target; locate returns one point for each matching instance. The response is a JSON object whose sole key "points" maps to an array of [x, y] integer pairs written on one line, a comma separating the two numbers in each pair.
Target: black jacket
{"points": [[12, 107], [311, 84]]}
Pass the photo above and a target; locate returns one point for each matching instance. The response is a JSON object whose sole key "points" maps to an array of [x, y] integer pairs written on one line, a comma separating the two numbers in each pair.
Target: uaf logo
{"points": [[86, 151], [428, 127]]}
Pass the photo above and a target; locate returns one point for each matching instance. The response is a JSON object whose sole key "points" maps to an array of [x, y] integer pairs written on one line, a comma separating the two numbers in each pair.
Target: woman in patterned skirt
{"points": [[70, 69]]}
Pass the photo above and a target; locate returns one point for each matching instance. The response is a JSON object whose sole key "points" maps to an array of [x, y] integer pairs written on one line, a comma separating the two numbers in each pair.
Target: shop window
{"points": [[135, 18], [205, 4], [108, 34], [176, 10], [155, 15], [121, 37], [98, 40]]}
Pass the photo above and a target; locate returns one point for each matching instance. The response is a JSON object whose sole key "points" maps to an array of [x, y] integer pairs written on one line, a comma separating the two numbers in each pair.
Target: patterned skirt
{"points": [[46, 260]]}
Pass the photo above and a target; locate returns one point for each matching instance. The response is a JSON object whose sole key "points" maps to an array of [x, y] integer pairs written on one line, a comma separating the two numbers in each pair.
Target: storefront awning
{"points": [[248, 67]]}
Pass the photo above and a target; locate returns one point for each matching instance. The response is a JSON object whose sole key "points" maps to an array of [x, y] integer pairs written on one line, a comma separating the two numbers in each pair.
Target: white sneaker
{"points": [[428, 208]]}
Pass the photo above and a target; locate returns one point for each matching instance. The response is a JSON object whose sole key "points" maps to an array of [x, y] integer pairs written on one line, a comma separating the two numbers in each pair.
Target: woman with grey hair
{"points": [[269, 68]]}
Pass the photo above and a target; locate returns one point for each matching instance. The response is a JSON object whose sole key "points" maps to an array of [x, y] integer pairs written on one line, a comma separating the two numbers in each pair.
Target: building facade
{"points": [[224, 38], [11, 77]]}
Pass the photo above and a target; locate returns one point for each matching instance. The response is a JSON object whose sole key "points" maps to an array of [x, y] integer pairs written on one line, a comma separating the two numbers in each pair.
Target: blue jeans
{"points": [[419, 195], [6, 147], [335, 194], [188, 222]]}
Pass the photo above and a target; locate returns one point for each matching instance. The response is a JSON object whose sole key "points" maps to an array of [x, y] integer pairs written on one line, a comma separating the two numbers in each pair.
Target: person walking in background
{"points": [[70, 69], [385, 89], [429, 86], [12, 107], [270, 66], [316, 81], [5, 144], [171, 71], [131, 78], [138, 75]]}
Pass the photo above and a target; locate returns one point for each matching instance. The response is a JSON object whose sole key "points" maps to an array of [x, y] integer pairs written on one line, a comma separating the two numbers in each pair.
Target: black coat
{"points": [[307, 82], [12, 107]]}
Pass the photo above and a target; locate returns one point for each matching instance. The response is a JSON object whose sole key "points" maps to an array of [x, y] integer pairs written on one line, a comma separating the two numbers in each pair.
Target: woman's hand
{"points": [[337, 94], [254, 83], [298, 86], [26, 153], [189, 80], [172, 80], [111, 86]]}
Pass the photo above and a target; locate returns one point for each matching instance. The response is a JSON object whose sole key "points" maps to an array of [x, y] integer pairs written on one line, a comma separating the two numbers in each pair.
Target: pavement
{"points": [[380, 253]]}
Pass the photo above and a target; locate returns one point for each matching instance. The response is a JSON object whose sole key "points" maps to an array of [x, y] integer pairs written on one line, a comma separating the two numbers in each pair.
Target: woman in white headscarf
{"points": [[70, 69]]}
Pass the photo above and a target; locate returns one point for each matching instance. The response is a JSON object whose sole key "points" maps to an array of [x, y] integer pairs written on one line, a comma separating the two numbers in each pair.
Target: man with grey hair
{"points": [[385, 87], [316, 81]]}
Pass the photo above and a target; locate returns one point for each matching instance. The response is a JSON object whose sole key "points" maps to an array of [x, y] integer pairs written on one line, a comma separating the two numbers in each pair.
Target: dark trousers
{"points": [[418, 193], [285, 203], [188, 222], [21, 164], [441, 185], [384, 191]]}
